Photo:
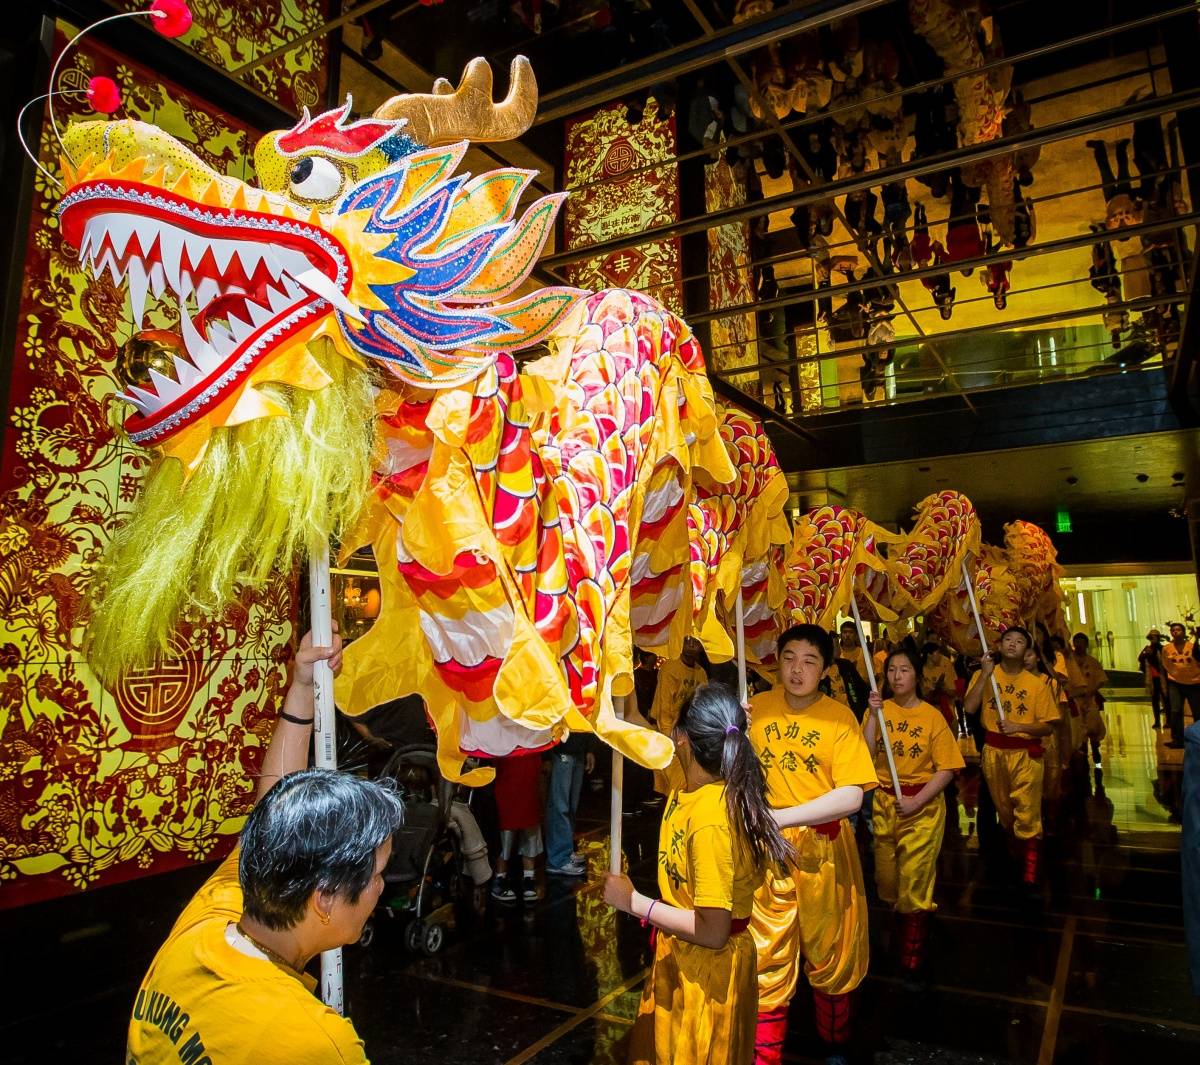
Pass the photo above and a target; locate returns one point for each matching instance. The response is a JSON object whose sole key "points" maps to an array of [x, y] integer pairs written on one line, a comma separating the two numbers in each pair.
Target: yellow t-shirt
{"points": [[922, 743], [1181, 667], [1085, 677], [1026, 696], [853, 655], [676, 682], [204, 1001], [837, 686], [809, 752], [700, 860]]}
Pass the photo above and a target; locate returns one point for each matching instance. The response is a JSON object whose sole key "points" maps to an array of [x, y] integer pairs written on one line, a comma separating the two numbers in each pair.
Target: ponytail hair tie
{"points": [[732, 729]]}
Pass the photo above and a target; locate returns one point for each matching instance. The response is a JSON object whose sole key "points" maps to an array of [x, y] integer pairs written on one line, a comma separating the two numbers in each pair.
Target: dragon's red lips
{"points": [[267, 275]]}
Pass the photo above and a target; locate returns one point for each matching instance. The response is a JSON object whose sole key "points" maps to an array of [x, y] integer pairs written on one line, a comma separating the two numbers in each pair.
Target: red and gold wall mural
{"points": [[99, 786], [617, 189], [232, 33], [734, 340]]}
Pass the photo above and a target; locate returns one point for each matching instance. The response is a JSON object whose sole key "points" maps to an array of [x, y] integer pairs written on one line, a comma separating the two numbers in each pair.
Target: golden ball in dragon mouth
{"points": [[149, 349]]}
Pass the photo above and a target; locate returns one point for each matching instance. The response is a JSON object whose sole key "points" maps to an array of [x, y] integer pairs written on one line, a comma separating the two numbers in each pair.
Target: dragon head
{"points": [[362, 256], [361, 233]]}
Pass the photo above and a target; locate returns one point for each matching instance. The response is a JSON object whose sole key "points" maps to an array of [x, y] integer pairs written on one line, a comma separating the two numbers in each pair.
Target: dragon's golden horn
{"points": [[469, 112]]}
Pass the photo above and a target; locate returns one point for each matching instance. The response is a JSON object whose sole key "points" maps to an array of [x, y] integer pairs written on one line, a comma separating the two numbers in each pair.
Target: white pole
{"points": [[870, 667], [324, 730], [982, 637], [740, 624], [617, 798]]}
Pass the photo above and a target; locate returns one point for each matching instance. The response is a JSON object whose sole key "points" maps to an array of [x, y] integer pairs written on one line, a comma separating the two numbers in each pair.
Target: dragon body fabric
{"points": [[344, 368]]}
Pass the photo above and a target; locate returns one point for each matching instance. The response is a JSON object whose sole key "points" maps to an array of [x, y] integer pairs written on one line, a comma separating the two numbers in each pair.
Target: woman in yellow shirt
{"points": [[909, 827], [700, 1001]]}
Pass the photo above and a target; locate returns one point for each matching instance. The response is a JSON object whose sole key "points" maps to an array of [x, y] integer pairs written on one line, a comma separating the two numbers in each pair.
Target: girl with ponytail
{"points": [[717, 838]]}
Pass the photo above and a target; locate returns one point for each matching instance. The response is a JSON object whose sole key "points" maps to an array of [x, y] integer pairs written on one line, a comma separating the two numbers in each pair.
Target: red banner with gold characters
{"points": [[96, 785], [617, 189]]}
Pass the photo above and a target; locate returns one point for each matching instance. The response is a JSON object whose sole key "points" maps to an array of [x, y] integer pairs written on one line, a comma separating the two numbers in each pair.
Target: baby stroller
{"points": [[439, 868]]}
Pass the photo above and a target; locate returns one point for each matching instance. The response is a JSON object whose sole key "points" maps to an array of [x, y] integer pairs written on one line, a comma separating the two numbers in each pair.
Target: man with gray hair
{"points": [[229, 985]]}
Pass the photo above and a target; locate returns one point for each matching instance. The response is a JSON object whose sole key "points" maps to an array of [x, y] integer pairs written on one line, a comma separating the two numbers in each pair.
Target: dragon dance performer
{"points": [[677, 680], [909, 827], [229, 984], [700, 1000], [1053, 742], [1012, 753], [817, 765], [1085, 678]]}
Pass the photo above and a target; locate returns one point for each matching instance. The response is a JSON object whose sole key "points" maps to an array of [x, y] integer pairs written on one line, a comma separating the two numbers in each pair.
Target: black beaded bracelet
{"points": [[295, 720]]}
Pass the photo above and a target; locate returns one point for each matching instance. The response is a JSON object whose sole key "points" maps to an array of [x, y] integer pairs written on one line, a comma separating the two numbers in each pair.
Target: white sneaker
{"points": [[572, 868]]}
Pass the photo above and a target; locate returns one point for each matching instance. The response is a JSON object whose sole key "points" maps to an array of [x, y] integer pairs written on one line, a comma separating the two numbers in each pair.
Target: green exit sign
{"points": [[1062, 522]]}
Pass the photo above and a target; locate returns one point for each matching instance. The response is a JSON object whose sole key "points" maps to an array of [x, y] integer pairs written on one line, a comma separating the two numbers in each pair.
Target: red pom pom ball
{"points": [[103, 95], [171, 18]]}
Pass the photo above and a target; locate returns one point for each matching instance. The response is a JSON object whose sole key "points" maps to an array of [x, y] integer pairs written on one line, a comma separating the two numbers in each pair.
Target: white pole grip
{"points": [[617, 798], [324, 730], [869, 665], [740, 624]]}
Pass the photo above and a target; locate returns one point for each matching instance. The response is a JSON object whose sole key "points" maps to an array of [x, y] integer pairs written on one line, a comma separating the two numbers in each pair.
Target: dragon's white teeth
{"points": [[223, 251], [138, 283], [89, 233], [167, 388], [221, 340], [317, 282], [186, 373], [259, 315], [158, 279], [196, 247], [278, 301], [250, 255], [120, 229], [206, 291], [240, 329], [107, 260], [146, 402], [199, 349], [170, 243]]}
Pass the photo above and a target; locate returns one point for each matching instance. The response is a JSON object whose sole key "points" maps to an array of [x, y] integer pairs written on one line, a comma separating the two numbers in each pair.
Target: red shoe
{"points": [[1032, 852], [833, 1016], [914, 927]]}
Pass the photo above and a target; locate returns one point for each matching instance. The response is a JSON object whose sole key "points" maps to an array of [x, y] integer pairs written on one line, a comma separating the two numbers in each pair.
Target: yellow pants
{"points": [[817, 909], [699, 1005], [1093, 720], [906, 852], [1052, 767], [1014, 779], [1077, 729]]}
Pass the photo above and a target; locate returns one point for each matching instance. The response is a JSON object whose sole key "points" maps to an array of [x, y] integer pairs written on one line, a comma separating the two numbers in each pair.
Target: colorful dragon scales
{"points": [[344, 368]]}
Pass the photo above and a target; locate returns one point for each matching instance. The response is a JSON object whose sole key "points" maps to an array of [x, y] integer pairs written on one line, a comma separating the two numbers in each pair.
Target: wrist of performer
{"points": [[285, 716], [640, 905]]}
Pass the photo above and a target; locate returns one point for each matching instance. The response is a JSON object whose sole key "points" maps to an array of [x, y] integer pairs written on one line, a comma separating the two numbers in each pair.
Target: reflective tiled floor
{"points": [[1094, 971]]}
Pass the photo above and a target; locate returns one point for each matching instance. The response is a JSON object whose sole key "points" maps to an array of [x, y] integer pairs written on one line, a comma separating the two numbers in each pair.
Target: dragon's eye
{"points": [[315, 179]]}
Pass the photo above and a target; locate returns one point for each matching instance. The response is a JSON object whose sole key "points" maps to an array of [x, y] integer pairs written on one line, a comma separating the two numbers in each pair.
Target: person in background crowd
{"points": [[1180, 658], [850, 650], [817, 766], [676, 682], [519, 808], [1150, 664], [229, 983], [699, 1003], [938, 680], [908, 828], [569, 761], [1085, 678]]}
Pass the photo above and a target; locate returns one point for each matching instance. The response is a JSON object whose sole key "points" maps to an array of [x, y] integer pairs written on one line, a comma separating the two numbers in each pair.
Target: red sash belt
{"points": [[1003, 742], [908, 790], [828, 829]]}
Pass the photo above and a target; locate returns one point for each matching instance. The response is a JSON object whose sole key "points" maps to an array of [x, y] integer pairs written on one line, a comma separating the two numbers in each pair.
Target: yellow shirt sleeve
{"points": [[852, 762], [710, 866], [944, 747], [1045, 706]]}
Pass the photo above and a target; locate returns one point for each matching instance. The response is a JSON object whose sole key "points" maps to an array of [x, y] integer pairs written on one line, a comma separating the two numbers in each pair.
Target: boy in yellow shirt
{"points": [[1012, 753], [909, 827], [817, 766], [1085, 678]]}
